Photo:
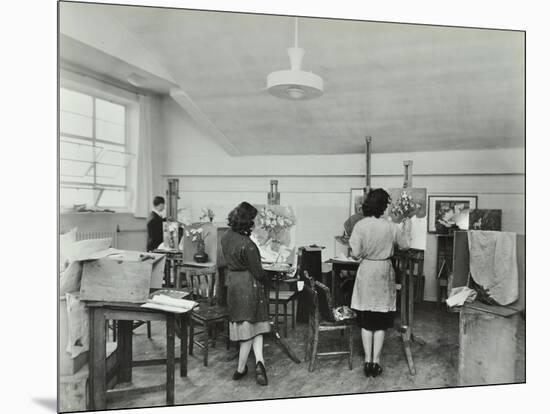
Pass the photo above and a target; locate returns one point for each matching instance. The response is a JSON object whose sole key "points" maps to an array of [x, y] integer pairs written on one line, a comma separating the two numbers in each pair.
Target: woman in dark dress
{"points": [[248, 312]]}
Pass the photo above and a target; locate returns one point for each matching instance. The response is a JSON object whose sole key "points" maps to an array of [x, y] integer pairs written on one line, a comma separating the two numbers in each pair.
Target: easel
{"points": [[407, 262], [274, 198]]}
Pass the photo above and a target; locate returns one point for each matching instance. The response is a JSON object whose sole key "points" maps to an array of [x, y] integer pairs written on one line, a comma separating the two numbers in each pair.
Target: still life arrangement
{"points": [[196, 235]]}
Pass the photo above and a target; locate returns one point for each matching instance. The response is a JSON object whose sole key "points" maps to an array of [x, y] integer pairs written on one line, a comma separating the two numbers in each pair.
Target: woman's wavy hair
{"points": [[241, 218], [375, 203]]}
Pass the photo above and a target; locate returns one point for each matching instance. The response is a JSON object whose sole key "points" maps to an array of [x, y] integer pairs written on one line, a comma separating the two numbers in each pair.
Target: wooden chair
{"points": [[321, 319], [202, 284], [286, 297]]}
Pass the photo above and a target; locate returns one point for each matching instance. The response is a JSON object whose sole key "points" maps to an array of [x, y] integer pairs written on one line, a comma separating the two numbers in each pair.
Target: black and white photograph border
{"points": [[36, 391]]}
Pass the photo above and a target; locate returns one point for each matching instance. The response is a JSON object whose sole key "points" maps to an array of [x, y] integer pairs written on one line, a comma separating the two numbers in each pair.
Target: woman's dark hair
{"points": [[241, 218], [376, 203]]}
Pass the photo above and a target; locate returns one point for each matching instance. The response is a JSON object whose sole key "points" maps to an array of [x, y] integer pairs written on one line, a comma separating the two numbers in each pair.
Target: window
{"points": [[93, 150]]}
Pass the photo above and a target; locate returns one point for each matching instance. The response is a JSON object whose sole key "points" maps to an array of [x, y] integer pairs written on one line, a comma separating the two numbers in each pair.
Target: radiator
{"points": [[87, 235]]}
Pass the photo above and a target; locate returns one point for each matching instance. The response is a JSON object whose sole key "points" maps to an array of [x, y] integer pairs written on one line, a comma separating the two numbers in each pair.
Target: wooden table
{"points": [[125, 314]]}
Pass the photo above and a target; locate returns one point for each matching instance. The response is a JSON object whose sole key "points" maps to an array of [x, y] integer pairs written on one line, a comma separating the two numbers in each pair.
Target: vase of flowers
{"points": [[207, 214], [196, 235], [404, 207]]}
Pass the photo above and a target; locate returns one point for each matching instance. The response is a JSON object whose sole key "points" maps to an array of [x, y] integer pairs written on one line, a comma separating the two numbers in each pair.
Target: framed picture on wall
{"points": [[447, 213], [355, 200]]}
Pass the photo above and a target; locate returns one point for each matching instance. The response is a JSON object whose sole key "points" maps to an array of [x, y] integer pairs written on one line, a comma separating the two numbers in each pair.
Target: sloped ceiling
{"points": [[411, 87]]}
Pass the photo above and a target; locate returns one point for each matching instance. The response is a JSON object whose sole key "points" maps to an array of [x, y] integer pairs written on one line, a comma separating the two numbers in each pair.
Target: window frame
{"points": [[94, 142]]}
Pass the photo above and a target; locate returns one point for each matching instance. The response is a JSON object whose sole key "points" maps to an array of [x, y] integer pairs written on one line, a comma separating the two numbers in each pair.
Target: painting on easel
{"points": [[419, 217]]}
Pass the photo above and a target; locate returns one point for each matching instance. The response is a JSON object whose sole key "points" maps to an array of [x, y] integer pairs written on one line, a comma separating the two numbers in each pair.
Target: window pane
{"points": [[109, 131], [72, 196], [75, 124], [112, 199], [107, 174], [108, 111], [76, 102], [75, 168], [76, 150], [113, 154]]}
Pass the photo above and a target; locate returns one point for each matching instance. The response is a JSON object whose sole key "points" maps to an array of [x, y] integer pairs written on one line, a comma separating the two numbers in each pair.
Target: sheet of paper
{"points": [[167, 308], [167, 300]]}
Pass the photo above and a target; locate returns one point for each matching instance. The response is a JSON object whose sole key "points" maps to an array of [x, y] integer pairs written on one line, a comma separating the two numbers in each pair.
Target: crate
{"points": [[73, 391], [67, 364], [122, 278]]}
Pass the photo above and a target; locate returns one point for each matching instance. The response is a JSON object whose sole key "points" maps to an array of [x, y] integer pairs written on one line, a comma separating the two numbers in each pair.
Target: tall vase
{"points": [[201, 256]]}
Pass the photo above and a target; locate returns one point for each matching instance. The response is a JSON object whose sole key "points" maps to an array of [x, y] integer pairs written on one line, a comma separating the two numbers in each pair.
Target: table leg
{"points": [[124, 351], [97, 389], [170, 358], [183, 345]]}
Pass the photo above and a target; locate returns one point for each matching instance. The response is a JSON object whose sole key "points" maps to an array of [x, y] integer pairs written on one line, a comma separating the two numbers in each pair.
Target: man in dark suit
{"points": [[154, 224]]}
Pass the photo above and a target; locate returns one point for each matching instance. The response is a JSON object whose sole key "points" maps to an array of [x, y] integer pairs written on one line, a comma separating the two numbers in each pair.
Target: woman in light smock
{"points": [[372, 241]]}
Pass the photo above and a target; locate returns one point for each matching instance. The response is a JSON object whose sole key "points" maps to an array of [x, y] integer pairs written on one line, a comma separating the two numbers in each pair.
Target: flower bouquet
{"points": [[273, 232], [404, 207], [275, 223]]}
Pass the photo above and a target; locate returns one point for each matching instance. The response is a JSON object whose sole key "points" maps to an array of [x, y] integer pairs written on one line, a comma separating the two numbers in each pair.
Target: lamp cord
{"points": [[296, 32]]}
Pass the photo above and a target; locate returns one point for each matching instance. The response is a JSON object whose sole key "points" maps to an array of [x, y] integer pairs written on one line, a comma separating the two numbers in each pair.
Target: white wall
{"points": [[318, 186]]}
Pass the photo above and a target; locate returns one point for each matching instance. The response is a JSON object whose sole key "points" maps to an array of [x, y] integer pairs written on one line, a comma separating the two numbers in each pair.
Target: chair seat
{"points": [[210, 313], [284, 295]]}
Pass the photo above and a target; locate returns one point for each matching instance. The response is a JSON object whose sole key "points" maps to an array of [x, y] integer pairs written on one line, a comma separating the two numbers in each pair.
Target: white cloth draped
{"points": [[143, 193], [493, 264]]}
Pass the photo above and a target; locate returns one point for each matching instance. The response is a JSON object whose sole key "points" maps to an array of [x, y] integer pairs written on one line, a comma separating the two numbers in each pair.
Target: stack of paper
{"points": [[343, 258], [168, 304]]}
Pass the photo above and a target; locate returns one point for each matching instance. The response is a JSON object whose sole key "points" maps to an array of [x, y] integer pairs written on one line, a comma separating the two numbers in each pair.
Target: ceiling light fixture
{"points": [[295, 84]]}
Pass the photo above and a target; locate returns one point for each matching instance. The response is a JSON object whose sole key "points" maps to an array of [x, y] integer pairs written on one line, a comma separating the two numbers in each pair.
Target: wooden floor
{"points": [[436, 364]]}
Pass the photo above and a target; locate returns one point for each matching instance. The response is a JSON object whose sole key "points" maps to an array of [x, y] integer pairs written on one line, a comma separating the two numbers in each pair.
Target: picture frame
{"points": [[447, 213], [356, 200], [485, 219]]}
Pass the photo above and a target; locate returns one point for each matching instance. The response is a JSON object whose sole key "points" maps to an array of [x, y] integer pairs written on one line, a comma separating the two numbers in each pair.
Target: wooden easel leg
{"points": [[406, 337]]}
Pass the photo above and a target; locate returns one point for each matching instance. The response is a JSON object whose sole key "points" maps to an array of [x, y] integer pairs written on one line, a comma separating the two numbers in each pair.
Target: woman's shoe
{"points": [[261, 376], [238, 375], [367, 369], [376, 369]]}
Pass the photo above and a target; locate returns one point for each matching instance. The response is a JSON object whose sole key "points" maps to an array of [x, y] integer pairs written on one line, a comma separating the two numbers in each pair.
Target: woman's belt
{"points": [[376, 260]]}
